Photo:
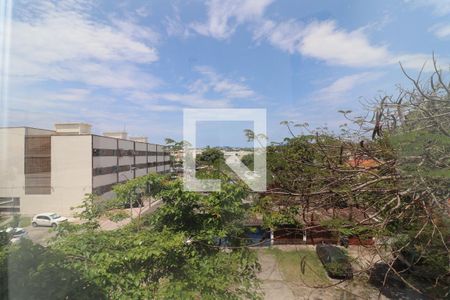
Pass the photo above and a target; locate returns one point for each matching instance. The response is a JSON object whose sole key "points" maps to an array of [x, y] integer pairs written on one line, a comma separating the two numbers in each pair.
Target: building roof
{"points": [[363, 163]]}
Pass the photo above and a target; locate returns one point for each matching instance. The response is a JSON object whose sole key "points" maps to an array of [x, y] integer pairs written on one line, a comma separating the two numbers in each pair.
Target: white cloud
{"points": [[42, 108], [191, 100], [284, 35], [224, 16], [143, 11], [212, 81], [340, 88], [71, 94], [59, 41], [413, 61], [441, 30], [69, 64], [68, 36], [38, 102], [139, 34], [321, 40], [175, 27], [327, 42], [135, 122], [172, 101], [440, 7], [210, 90], [113, 76], [324, 41], [320, 107]]}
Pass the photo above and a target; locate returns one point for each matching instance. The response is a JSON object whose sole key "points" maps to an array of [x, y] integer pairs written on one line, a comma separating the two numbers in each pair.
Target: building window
{"points": [[9, 205], [141, 166], [104, 152], [103, 189], [104, 171], [37, 165]]}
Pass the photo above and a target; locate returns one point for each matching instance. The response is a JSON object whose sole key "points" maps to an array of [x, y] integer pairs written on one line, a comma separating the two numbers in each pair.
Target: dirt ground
{"points": [[275, 285]]}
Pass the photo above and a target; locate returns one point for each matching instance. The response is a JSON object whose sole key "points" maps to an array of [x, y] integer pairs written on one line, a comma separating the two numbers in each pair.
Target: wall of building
{"points": [[118, 160], [80, 164], [12, 179], [37, 131], [151, 158], [104, 160], [166, 160], [126, 160], [12, 169], [140, 159], [160, 167], [71, 176]]}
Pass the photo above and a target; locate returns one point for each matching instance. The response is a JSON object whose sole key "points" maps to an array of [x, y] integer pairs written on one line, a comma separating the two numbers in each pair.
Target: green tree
{"points": [[249, 161], [394, 168], [211, 156], [35, 272], [174, 253]]}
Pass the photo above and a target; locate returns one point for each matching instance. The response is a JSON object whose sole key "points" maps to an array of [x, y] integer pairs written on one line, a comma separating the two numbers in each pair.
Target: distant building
{"points": [[52, 170], [238, 153]]}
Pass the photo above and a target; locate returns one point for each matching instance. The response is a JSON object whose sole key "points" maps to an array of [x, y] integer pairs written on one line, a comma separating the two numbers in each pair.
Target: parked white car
{"points": [[47, 219]]}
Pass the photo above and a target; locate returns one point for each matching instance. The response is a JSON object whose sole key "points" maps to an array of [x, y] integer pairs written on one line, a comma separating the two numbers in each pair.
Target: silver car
{"points": [[47, 219]]}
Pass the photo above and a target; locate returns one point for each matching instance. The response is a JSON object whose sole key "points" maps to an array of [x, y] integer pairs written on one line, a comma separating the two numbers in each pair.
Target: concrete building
{"points": [[238, 153], [52, 170]]}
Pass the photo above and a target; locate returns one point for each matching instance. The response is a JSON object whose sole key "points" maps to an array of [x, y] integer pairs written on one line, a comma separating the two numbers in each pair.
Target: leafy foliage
{"points": [[34, 272], [117, 216], [394, 187], [210, 156], [173, 254], [249, 161], [133, 191]]}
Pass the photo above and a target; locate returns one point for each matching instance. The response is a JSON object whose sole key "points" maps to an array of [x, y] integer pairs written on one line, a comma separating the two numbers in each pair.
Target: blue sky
{"points": [[137, 64]]}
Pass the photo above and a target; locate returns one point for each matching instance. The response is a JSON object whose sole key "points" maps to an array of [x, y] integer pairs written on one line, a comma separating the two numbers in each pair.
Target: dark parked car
{"points": [[335, 261]]}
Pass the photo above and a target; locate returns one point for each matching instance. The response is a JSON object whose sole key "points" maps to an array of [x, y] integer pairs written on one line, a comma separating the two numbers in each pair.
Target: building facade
{"points": [[52, 170]]}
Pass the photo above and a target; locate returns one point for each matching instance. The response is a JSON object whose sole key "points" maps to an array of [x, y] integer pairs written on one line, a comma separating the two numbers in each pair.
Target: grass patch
{"points": [[24, 221], [20, 221], [3, 218], [117, 215], [290, 263]]}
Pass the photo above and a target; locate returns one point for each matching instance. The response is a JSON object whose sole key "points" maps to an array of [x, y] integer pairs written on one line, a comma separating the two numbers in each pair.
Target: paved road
{"points": [[107, 224], [273, 284], [276, 287], [40, 235]]}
